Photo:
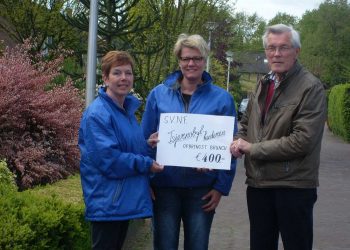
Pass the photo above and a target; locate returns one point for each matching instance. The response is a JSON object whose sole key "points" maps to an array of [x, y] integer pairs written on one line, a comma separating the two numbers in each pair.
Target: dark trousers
{"points": [[108, 235], [285, 211]]}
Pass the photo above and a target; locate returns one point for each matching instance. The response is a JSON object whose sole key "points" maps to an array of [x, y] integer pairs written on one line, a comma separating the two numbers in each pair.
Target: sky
{"points": [[267, 9]]}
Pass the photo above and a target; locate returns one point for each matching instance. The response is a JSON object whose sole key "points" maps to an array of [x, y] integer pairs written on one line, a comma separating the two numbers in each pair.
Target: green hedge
{"points": [[52, 217], [339, 111], [30, 221]]}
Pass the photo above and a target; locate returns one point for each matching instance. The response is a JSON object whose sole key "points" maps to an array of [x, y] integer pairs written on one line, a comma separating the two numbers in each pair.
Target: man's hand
{"points": [[235, 150], [240, 147], [213, 198]]}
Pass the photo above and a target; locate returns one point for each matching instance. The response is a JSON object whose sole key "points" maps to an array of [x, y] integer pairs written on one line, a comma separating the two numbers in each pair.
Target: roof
{"points": [[251, 62]]}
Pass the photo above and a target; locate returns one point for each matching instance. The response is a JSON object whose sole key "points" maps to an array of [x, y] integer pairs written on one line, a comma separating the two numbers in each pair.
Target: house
{"points": [[251, 65]]}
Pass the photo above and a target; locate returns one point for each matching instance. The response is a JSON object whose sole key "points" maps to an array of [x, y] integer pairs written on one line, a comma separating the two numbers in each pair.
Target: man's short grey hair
{"points": [[193, 42], [280, 29]]}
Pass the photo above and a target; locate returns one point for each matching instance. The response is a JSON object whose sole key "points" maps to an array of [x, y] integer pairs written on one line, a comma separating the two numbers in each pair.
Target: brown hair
{"points": [[115, 58]]}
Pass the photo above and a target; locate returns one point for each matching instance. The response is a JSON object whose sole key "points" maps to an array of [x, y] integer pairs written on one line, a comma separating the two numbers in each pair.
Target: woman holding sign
{"points": [[114, 171], [181, 193]]}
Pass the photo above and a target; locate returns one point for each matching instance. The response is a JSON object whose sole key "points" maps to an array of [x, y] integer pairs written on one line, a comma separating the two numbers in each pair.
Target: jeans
{"points": [[172, 205], [108, 235], [288, 211]]}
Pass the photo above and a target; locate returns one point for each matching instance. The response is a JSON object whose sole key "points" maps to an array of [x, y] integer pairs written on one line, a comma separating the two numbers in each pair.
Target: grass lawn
{"points": [[68, 190]]}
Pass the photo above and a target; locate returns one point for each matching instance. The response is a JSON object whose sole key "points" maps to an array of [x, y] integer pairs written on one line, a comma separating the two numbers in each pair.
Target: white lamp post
{"points": [[229, 58], [210, 26]]}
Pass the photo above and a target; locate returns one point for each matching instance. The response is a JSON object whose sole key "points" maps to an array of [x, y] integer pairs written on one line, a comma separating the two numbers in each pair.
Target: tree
{"points": [[248, 31], [284, 18], [325, 33], [116, 22], [175, 17], [40, 20]]}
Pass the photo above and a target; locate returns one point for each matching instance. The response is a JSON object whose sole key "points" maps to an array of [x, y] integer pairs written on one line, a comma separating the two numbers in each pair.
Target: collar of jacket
{"points": [[296, 67], [131, 103], [172, 80]]}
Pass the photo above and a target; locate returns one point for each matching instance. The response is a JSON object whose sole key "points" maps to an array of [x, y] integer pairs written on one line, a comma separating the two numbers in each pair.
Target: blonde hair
{"points": [[193, 42], [115, 58]]}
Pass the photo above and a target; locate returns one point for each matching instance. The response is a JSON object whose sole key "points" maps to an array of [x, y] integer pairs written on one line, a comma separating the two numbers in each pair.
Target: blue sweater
{"points": [[114, 170], [207, 99]]}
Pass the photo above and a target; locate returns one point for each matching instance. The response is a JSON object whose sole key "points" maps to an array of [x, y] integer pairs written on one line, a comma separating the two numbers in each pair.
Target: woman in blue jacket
{"points": [[183, 193], [114, 169]]}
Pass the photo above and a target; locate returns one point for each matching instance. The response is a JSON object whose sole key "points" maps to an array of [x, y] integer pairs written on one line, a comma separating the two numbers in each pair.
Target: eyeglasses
{"points": [[282, 49], [195, 59]]}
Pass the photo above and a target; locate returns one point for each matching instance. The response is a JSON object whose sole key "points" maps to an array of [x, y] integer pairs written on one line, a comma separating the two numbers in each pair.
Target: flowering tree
{"points": [[38, 127]]}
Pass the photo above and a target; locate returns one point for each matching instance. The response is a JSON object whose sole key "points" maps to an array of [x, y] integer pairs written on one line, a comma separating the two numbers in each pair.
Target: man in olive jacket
{"points": [[280, 135]]}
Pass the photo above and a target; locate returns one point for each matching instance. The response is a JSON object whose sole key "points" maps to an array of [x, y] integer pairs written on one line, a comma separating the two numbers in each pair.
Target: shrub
{"points": [[30, 221], [7, 178], [339, 111], [38, 128]]}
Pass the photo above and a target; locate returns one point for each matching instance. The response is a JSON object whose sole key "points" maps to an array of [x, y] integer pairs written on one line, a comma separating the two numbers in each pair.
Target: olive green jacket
{"points": [[286, 147]]}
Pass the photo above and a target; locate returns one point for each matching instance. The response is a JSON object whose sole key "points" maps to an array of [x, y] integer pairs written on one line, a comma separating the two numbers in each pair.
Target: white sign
{"points": [[193, 140]]}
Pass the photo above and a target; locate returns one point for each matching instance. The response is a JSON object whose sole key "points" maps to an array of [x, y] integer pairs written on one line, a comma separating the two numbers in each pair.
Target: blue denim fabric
{"points": [[173, 205]]}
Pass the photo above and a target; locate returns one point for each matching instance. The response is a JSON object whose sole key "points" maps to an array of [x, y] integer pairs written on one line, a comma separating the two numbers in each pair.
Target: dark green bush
{"points": [[339, 111], [29, 221]]}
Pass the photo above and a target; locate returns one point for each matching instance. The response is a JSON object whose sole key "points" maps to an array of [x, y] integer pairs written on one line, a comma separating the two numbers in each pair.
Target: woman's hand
{"points": [[204, 170], [153, 140], [156, 167], [213, 198]]}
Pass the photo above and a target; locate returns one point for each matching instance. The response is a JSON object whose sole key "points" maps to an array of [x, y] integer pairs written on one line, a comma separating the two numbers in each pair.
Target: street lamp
{"points": [[210, 27], [229, 58]]}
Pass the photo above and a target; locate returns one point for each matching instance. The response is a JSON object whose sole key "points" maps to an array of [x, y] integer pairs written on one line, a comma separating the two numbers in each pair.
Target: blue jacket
{"points": [[114, 170], [207, 99]]}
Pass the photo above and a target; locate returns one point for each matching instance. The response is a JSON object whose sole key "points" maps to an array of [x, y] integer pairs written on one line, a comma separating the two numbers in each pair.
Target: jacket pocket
{"points": [[276, 171], [118, 190], [286, 166]]}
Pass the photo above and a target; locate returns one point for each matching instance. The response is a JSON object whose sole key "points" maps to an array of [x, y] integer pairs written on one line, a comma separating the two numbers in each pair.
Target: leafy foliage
{"points": [[29, 221], [115, 22], [248, 31], [7, 178], [285, 19], [42, 19], [38, 128], [174, 18], [326, 40], [339, 110]]}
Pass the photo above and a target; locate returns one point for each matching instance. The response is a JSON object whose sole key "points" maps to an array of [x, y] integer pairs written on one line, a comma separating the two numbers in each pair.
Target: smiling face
{"points": [[280, 53], [120, 81], [192, 65]]}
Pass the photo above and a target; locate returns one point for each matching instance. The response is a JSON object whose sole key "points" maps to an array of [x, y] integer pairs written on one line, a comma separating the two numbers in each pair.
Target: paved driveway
{"points": [[332, 210]]}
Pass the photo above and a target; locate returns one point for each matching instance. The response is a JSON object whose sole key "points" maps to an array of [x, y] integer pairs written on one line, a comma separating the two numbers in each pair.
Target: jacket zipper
{"points": [[186, 109], [186, 105]]}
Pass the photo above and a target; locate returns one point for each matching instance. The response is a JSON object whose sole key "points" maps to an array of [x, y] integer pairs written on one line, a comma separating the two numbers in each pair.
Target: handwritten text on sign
{"points": [[193, 140]]}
